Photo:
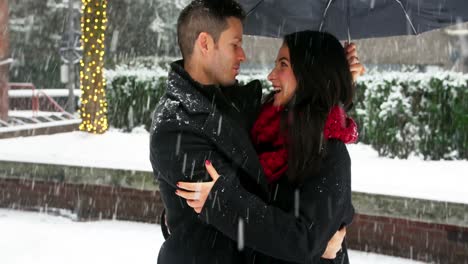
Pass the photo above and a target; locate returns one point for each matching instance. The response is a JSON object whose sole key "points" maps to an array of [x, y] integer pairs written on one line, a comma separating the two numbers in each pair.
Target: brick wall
{"points": [[87, 201], [435, 243]]}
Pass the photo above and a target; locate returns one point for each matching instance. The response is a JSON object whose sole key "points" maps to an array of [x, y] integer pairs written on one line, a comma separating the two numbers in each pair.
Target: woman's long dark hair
{"points": [[323, 81]]}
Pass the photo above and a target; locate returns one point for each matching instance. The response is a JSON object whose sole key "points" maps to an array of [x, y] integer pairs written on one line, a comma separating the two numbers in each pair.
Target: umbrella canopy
{"points": [[354, 19]]}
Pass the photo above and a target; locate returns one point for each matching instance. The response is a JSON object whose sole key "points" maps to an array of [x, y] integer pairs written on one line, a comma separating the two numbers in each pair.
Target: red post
{"points": [[4, 55]]}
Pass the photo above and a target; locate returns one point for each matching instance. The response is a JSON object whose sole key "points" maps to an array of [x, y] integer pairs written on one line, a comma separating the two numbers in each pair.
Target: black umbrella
{"points": [[348, 19]]}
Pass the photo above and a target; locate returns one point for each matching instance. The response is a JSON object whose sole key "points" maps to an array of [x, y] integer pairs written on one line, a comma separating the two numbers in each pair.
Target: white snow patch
{"points": [[113, 149], [413, 177], [15, 93], [38, 238]]}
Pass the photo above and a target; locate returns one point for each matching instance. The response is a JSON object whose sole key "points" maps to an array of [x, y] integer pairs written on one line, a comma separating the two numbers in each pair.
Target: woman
{"points": [[300, 136]]}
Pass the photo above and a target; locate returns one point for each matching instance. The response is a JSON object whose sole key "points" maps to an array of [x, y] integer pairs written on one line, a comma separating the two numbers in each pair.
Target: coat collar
{"points": [[188, 92]]}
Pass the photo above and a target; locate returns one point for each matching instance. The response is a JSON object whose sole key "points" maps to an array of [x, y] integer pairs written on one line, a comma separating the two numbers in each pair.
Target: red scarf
{"points": [[270, 141]]}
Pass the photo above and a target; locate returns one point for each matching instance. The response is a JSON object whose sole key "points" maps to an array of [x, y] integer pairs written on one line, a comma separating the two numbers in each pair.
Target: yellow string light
{"points": [[93, 110]]}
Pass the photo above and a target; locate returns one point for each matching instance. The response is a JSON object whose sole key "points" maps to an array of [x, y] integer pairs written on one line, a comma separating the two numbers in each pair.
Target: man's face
{"points": [[227, 54]]}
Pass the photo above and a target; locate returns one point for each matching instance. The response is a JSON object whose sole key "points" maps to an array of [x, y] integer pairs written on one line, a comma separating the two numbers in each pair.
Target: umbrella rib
{"points": [[325, 14], [255, 7], [348, 14], [407, 17]]}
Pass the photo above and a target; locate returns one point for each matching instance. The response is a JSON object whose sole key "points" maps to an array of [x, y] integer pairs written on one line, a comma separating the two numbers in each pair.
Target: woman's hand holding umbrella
{"points": [[355, 66]]}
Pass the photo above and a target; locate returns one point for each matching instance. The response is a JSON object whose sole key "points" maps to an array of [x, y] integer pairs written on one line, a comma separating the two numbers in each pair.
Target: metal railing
{"points": [[35, 95]]}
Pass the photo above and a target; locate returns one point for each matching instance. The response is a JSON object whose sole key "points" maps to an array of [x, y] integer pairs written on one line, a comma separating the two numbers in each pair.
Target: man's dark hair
{"points": [[208, 16]]}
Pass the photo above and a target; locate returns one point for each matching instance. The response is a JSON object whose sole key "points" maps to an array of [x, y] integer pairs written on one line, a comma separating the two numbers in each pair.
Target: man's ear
{"points": [[205, 42]]}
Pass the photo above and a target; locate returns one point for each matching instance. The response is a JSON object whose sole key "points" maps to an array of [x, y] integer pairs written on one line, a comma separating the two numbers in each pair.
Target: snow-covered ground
{"points": [[111, 150], [27, 237], [434, 180]]}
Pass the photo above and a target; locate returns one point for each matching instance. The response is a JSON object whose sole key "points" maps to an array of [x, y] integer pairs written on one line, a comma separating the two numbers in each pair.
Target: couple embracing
{"points": [[246, 179]]}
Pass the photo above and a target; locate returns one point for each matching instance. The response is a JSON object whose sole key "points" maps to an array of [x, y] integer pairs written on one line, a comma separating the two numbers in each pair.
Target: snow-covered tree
{"points": [[35, 33], [136, 28], [143, 28]]}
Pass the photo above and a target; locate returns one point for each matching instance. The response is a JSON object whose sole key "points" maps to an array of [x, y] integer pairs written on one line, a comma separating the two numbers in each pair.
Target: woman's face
{"points": [[282, 78]]}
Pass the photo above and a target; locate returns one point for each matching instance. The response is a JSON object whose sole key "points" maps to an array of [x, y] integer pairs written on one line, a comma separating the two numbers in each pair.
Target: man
{"points": [[205, 115]]}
